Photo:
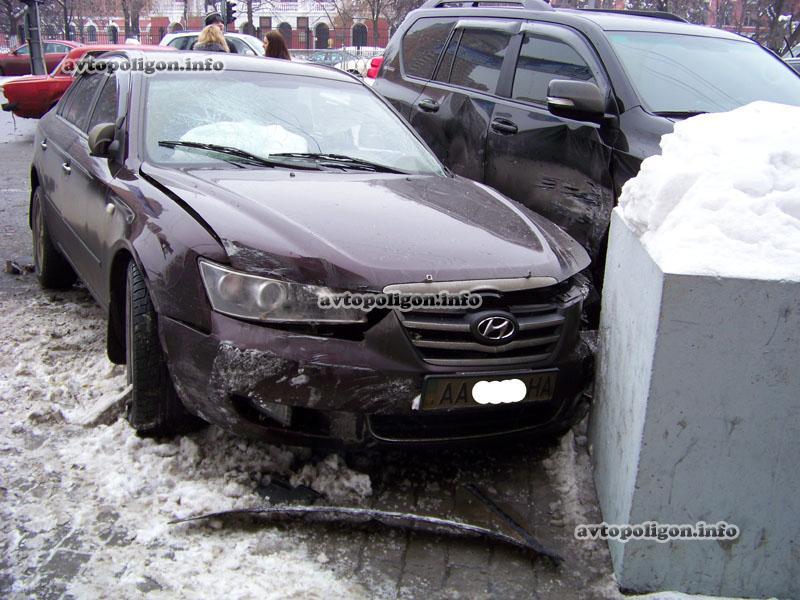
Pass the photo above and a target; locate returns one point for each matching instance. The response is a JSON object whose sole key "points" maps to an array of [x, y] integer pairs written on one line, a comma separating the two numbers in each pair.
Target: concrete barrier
{"points": [[697, 418]]}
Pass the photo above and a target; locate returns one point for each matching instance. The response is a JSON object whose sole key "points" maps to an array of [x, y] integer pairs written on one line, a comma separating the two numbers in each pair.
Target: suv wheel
{"points": [[155, 409], [52, 269]]}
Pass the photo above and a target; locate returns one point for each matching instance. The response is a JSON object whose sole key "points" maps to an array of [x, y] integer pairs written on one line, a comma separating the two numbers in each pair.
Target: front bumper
{"points": [[348, 392]]}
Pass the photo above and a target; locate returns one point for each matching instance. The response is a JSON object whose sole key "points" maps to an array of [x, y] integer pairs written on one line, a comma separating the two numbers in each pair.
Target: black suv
{"points": [[557, 108]]}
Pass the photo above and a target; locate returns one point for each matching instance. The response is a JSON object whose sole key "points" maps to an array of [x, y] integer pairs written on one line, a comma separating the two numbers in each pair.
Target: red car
{"points": [[18, 62], [31, 97]]}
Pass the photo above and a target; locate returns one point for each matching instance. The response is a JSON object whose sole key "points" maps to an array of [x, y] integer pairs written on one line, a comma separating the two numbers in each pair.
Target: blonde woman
{"points": [[211, 40]]}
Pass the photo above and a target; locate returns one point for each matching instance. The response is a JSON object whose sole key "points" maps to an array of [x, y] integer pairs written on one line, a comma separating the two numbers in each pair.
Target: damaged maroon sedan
{"points": [[222, 215]]}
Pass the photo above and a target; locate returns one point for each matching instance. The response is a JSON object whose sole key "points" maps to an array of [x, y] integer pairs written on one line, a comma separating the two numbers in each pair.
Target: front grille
{"points": [[444, 337]]}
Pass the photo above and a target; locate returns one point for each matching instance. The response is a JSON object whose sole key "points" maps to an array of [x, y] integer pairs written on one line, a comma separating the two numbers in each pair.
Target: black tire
{"points": [[155, 409], [52, 269]]}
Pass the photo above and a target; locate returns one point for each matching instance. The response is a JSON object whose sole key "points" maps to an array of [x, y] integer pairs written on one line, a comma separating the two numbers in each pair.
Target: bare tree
{"points": [[396, 10], [11, 12]]}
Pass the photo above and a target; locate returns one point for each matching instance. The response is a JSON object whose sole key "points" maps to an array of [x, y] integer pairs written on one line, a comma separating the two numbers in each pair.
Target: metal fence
{"points": [[90, 36]]}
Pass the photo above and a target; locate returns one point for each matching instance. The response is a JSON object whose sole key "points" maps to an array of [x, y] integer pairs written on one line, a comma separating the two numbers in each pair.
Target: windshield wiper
{"points": [[681, 114], [237, 152], [341, 161]]}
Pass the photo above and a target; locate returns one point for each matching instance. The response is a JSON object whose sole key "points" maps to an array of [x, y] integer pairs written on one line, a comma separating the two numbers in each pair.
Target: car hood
{"points": [[367, 230]]}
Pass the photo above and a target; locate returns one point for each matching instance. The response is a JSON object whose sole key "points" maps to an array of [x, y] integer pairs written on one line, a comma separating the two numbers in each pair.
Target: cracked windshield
{"points": [[310, 123]]}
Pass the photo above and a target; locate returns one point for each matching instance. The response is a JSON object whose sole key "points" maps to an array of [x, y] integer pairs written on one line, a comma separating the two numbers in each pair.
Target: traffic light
{"points": [[230, 12]]}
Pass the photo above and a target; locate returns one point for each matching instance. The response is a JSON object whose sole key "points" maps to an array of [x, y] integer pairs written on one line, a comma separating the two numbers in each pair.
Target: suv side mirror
{"points": [[580, 100], [100, 138]]}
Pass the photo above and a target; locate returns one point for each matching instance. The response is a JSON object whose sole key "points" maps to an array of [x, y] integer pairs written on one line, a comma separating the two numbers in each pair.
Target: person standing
{"points": [[211, 40], [275, 46], [214, 18]]}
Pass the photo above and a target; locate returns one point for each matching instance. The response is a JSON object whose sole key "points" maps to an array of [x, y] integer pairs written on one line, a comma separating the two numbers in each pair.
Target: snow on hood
{"points": [[723, 198]]}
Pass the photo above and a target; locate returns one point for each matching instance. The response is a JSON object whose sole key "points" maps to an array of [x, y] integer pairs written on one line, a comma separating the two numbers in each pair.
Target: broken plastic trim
{"points": [[394, 520]]}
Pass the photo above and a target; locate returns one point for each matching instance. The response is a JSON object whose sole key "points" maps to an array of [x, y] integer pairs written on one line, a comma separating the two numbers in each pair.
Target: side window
{"points": [[80, 100], [105, 111], [184, 42], [446, 66], [540, 61], [479, 59], [237, 46], [23, 50], [53, 48], [423, 44]]}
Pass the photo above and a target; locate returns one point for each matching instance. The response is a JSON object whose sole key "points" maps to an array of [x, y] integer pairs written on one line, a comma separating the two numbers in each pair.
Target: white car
{"points": [[239, 43]]}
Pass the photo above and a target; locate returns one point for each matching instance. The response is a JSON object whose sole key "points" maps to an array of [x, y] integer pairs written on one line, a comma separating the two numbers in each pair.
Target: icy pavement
{"points": [[85, 509]]}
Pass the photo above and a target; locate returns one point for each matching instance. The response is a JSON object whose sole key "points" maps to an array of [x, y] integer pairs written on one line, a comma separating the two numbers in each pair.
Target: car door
{"points": [[410, 65], [91, 181], [556, 166], [453, 111], [67, 165]]}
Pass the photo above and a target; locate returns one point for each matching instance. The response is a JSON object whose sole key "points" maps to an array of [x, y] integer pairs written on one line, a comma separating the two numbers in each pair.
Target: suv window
{"points": [[422, 45], [479, 59], [540, 61], [446, 65], [80, 100], [105, 111]]}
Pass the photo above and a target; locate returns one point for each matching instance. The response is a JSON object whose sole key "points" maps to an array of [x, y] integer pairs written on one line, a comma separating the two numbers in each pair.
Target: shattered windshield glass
{"points": [[266, 113]]}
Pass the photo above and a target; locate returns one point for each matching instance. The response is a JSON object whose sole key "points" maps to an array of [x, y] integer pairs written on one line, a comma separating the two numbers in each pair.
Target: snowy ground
{"points": [[85, 508], [77, 485]]}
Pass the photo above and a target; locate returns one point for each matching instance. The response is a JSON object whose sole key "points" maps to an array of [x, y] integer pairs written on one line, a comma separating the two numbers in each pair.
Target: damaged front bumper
{"points": [[291, 387]]}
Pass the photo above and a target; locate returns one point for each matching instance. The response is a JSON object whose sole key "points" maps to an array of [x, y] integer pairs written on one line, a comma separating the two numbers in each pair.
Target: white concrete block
{"points": [[697, 418]]}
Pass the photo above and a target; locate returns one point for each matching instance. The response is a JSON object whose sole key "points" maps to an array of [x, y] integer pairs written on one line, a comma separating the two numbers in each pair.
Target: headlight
{"points": [[261, 299]]}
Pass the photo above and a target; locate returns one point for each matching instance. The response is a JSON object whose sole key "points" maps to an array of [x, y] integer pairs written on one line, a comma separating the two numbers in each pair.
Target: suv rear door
{"points": [[408, 65], [556, 166], [453, 111]]}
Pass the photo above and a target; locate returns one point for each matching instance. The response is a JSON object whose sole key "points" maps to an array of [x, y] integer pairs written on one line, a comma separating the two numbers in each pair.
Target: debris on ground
{"points": [[369, 517]]}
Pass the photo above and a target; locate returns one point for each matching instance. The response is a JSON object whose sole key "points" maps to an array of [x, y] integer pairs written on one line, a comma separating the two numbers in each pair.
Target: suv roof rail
{"points": [[526, 4], [655, 14]]}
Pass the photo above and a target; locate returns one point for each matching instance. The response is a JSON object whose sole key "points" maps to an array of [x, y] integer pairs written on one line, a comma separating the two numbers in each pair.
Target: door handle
{"points": [[504, 126], [66, 168], [43, 144], [428, 105]]}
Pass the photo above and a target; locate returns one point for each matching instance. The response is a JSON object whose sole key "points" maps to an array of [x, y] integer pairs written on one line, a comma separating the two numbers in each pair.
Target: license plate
{"points": [[451, 392]]}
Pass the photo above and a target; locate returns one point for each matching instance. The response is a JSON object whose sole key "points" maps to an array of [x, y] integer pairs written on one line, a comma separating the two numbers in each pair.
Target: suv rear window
{"points": [[540, 61], [479, 59], [422, 45]]}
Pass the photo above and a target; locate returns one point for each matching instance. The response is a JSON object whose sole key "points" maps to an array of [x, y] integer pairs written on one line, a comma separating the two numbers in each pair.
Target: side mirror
{"points": [[100, 138], [580, 100]]}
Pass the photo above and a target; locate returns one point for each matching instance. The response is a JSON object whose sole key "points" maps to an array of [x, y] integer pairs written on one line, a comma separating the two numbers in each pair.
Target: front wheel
{"points": [[52, 269], [155, 409]]}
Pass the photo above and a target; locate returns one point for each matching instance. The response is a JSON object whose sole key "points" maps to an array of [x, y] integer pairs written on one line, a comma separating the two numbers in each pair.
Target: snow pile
{"points": [[332, 478], [723, 198], [108, 494]]}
